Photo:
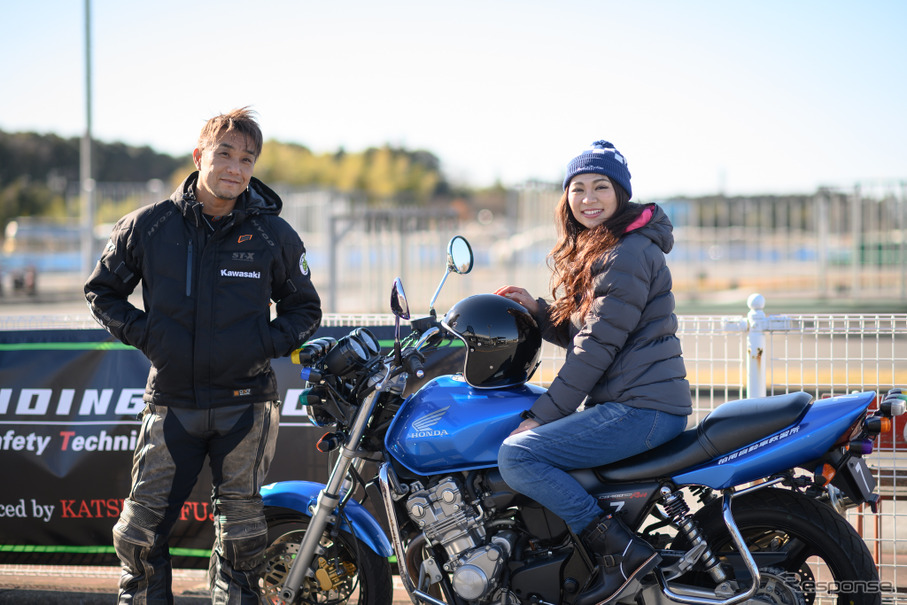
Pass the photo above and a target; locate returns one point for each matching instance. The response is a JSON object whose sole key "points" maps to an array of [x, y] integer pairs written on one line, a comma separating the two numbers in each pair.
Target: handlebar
{"points": [[413, 362], [313, 350]]}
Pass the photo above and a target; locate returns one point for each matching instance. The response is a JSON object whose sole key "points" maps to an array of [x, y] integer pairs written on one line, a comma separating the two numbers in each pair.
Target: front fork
{"points": [[328, 500]]}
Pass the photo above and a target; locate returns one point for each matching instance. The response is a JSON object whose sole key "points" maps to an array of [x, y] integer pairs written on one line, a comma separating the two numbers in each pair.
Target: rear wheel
{"points": [[346, 570], [807, 552]]}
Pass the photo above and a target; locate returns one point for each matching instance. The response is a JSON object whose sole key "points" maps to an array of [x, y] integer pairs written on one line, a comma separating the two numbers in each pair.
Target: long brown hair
{"points": [[578, 248]]}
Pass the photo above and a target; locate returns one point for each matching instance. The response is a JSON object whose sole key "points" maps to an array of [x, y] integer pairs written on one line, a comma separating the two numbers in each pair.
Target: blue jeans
{"points": [[535, 462]]}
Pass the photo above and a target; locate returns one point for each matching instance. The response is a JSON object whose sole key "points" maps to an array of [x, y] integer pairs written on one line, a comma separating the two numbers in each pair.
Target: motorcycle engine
{"points": [[449, 521]]}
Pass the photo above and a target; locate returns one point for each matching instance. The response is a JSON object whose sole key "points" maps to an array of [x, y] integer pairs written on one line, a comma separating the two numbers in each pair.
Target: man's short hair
{"points": [[240, 120]]}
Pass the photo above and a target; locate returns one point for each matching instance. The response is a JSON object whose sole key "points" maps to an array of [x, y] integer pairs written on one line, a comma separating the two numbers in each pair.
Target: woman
{"points": [[613, 311]]}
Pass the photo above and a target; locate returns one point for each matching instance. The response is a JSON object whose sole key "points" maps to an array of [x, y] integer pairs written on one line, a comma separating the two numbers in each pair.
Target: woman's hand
{"points": [[526, 425], [521, 296]]}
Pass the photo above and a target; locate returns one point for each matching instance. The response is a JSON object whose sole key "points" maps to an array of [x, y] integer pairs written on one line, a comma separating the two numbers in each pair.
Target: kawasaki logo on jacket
{"points": [[248, 274]]}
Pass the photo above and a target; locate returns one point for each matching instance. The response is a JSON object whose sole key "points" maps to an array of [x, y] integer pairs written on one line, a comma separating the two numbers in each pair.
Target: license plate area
{"points": [[856, 481]]}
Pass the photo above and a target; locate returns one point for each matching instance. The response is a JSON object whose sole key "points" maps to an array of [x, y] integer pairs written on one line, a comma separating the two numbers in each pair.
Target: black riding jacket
{"points": [[206, 325]]}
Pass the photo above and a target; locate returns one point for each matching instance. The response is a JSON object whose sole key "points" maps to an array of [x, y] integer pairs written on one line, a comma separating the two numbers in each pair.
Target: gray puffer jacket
{"points": [[626, 349]]}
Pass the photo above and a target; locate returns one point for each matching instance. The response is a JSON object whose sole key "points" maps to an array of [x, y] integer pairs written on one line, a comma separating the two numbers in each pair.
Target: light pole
{"points": [[86, 181]]}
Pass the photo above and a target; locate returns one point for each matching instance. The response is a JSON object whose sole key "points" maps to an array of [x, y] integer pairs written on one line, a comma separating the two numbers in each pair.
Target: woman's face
{"points": [[592, 199]]}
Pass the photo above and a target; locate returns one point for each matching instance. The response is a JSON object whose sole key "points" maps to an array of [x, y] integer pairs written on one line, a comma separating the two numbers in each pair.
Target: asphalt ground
{"points": [[82, 585], [85, 585]]}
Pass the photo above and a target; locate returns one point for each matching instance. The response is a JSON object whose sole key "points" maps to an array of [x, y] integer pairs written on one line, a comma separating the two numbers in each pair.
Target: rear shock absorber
{"points": [[679, 512]]}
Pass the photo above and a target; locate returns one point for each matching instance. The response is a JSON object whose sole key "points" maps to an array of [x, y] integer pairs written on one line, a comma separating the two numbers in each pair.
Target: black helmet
{"points": [[503, 341]]}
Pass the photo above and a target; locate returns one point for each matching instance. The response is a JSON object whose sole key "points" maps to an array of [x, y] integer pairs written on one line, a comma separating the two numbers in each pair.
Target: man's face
{"points": [[224, 168]]}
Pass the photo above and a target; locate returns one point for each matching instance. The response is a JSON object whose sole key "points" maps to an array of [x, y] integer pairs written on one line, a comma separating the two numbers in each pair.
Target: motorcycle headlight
{"points": [[346, 356]]}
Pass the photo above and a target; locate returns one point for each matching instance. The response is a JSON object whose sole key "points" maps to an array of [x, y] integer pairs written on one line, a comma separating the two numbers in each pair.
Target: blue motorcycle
{"points": [[745, 507]]}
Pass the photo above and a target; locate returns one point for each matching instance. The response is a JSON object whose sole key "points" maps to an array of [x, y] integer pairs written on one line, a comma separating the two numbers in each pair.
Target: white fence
{"points": [[822, 354], [731, 357]]}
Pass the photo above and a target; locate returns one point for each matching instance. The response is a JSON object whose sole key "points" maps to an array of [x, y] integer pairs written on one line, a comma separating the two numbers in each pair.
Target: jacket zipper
{"points": [[189, 270]]}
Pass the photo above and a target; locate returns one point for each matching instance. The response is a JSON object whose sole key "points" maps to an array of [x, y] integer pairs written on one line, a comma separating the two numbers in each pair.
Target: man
{"points": [[210, 260]]}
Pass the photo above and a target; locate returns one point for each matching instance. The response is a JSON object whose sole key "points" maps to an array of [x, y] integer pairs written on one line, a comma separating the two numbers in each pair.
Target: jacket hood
{"points": [[257, 199], [658, 229]]}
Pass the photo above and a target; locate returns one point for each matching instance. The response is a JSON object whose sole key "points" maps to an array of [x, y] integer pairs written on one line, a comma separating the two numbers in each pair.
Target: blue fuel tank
{"points": [[449, 426]]}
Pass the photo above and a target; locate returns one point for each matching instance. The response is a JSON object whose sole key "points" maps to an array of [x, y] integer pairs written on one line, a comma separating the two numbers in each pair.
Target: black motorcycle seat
{"points": [[728, 427]]}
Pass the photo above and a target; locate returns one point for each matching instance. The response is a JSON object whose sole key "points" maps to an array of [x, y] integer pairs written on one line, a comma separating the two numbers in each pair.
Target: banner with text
{"points": [[70, 402]]}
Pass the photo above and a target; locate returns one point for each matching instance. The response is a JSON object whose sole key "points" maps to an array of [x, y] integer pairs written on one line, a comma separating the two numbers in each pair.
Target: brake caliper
{"points": [[332, 574]]}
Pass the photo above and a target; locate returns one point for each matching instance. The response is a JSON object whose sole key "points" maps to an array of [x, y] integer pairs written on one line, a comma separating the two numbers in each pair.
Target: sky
{"points": [[700, 96]]}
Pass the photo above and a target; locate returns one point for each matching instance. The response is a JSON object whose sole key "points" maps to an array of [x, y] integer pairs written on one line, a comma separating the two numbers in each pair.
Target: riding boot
{"points": [[621, 557]]}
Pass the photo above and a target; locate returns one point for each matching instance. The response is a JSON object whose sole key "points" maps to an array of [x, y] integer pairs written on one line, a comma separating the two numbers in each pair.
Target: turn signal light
{"points": [[825, 474], [877, 424], [860, 447], [328, 443], [312, 396], [894, 404]]}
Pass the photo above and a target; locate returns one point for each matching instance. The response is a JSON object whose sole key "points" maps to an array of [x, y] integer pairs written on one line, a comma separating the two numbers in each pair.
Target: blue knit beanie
{"points": [[601, 158]]}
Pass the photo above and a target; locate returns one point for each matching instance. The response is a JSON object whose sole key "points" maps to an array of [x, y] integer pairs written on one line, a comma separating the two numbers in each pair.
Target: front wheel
{"points": [[807, 553], [346, 570]]}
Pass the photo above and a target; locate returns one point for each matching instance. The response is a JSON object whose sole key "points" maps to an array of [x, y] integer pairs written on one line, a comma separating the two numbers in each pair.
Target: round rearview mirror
{"points": [[399, 306], [459, 255]]}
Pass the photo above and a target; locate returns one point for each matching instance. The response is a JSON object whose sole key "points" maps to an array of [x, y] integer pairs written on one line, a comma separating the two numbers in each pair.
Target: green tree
{"points": [[379, 172], [36, 170], [24, 197]]}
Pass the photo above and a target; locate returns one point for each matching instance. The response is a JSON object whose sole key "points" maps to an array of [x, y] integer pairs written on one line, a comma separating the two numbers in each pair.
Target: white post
{"points": [[755, 346]]}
